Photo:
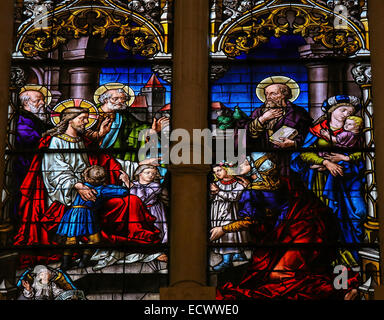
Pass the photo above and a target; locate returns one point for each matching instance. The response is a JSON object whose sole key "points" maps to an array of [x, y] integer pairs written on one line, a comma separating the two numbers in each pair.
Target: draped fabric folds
{"points": [[307, 222], [123, 219]]}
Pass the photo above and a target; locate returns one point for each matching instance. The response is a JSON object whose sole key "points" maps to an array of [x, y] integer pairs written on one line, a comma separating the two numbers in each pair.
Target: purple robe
{"points": [[294, 117], [29, 130], [150, 196]]}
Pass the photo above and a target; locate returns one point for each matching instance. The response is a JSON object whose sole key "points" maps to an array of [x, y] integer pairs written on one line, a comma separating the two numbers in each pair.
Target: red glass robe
{"points": [[308, 221], [121, 219]]}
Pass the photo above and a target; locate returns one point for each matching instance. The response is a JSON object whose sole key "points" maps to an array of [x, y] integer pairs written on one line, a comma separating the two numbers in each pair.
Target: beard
{"points": [[38, 112], [116, 106], [274, 103], [79, 129]]}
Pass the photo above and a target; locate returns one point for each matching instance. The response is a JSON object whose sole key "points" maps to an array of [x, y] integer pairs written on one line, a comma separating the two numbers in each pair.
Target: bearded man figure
{"points": [[54, 180], [31, 122], [276, 112], [116, 128]]}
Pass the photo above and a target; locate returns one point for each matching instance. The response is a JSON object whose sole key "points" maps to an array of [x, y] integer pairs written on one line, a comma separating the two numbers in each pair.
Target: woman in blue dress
{"points": [[337, 178], [80, 220]]}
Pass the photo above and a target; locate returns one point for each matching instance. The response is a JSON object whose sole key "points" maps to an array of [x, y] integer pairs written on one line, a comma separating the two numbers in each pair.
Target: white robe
{"points": [[62, 170], [224, 210]]}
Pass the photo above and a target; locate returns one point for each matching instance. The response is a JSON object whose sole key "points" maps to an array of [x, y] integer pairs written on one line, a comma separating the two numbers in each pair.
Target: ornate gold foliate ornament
{"points": [[320, 26], [130, 34], [317, 25], [249, 36]]}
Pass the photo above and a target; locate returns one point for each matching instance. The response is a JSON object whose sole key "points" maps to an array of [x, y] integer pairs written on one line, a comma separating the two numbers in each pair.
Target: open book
{"points": [[284, 132]]}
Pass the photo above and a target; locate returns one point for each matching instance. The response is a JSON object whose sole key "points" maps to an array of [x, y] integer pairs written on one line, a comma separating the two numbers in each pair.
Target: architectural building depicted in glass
{"points": [[296, 218]]}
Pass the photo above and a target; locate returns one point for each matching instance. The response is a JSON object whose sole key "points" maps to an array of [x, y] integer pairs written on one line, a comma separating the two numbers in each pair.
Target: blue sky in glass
{"points": [[238, 85], [284, 47], [134, 77]]}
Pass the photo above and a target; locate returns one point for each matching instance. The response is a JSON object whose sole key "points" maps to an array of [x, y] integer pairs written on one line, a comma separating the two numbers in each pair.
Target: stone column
{"points": [[6, 23], [362, 75], [376, 22], [318, 77], [188, 226], [84, 81]]}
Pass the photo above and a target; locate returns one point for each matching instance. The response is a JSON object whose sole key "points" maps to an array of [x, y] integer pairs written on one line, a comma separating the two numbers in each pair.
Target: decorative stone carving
{"points": [[17, 78], [164, 71], [353, 7], [218, 70], [362, 74]]}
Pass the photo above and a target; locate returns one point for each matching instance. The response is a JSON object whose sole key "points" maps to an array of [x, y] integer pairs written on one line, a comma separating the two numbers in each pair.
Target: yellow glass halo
{"points": [[43, 90], [281, 80], [79, 103], [114, 86]]}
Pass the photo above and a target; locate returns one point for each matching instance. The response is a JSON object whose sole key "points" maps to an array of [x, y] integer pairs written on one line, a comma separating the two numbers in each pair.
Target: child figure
{"points": [[349, 136], [225, 193], [80, 219], [147, 187]]}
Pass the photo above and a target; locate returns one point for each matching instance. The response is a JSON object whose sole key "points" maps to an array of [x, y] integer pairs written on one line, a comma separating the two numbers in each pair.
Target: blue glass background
{"points": [[238, 85], [134, 77]]}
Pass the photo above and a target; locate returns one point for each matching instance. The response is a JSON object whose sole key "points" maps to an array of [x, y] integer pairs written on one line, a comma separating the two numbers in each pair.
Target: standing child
{"points": [[80, 220], [225, 193], [146, 185]]}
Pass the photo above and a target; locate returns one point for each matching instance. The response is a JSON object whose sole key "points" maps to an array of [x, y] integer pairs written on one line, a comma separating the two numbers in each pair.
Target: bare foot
{"points": [[351, 295], [162, 258]]}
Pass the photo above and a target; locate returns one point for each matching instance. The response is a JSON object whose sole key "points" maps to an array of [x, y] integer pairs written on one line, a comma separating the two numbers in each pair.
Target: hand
{"points": [[244, 182], [158, 125], [125, 178], [325, 134], [86, 193], [216, 233], [284, 143], [333, 168], [105, 127], [151, 161], [336, 157], [245, 167], [214, 188], [318, 167], [26, 285], [271, 114]]}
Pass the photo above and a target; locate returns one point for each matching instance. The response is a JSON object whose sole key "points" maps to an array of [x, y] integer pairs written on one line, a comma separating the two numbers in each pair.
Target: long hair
{"points": [[65, 116]]}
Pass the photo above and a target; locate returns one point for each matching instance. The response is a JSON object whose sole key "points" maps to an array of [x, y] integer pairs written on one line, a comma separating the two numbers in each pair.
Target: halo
{"points": [[114, 86], [80, 103], [278, 79], [36, 87]]}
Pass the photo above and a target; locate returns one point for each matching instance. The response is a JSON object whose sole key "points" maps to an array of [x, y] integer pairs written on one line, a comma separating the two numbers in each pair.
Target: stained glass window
{"points": [[295, 217], [90, 83]]}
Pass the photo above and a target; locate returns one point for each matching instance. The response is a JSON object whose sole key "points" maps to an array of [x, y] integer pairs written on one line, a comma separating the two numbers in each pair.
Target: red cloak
{"points": [[307, 222], [121, 220]]}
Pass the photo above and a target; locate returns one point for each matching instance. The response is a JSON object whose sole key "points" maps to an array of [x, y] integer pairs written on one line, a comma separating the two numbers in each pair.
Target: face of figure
{"points": [[245, 167], [351, 126], [117, 101], [79, 122], [342, 113], [44, 277], [220, 172], [148, 175], [274, 97], [35, 104]]}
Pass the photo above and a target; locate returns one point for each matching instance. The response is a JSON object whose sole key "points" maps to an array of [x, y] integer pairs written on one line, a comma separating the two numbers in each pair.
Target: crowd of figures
{"points": [[292, 197], [78, 179]]}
